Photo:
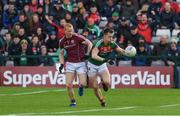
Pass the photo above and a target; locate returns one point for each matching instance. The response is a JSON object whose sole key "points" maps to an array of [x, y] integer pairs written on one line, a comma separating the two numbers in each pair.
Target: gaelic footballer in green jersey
{"points": [[104, 51], [97, 63]]}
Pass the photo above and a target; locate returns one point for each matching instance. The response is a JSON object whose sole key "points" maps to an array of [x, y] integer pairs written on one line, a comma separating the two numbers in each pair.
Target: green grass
{"points": [[143, 101]]}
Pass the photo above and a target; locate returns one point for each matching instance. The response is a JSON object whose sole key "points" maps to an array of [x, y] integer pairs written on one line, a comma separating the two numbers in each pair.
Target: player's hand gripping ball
{"points": [[130, 51]]}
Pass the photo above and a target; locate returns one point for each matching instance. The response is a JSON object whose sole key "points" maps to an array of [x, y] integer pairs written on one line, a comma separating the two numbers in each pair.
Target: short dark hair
{"points": [[108, 30]]}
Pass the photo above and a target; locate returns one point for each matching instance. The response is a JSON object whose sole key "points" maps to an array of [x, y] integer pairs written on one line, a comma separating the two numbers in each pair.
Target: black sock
{"points": [[73, 100]]}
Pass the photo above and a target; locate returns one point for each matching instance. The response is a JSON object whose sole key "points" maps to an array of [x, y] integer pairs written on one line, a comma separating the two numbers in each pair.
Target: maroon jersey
{"points": [[74, 47]]}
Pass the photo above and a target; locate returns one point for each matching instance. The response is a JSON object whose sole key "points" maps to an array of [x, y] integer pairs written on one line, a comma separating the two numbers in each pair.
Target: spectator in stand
{"points": [[178, 40], [109, 8], [109, 24], [14, 49], [45, 59], [94, 14], [22, 35], [83, 14], [172, 52], [14, 31], [167, 17], [34, 23], [58, 10], [59, 28], [93, 28], [161, 48], [149, 48], [35, 45], [116, 22], [23, 60], [123, 32], [128, 9], [8, 40], [2, 50], [40, 13], [47, 27], [80, 4], [177, 21], [52, 43], [35, 49], [98, 3], [48, 7], [41, 35], [134, 37], [140, 59], [174, 5], [87, 34], [24, 23], [79, 17], [26, 10], [146, 27], [1, 14], [154, 9], [143, 2], [33, 6], [89, 3], [136, 5], [10, 16], [67, 5], [21, 3], [69, 19]]}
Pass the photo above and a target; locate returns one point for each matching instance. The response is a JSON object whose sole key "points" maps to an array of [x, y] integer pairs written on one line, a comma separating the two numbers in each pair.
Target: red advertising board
{"points": [[121, 77], [142, 77]]}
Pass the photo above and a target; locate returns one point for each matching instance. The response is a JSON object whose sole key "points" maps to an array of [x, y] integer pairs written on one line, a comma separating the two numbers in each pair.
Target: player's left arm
{"points": [[120, 50], [61, 46]]}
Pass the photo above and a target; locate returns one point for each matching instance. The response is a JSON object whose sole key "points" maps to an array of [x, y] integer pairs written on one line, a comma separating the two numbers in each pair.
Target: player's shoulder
{"points": [[76, 35], [113, 43], [98, 43]]}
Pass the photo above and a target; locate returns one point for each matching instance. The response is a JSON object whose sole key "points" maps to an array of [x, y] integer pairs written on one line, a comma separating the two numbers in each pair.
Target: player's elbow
{"points": [[90, 44], [94, 56]]}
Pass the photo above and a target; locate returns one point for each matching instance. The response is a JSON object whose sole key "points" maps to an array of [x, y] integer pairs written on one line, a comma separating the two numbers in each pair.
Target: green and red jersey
{"points": [[104, 50]]}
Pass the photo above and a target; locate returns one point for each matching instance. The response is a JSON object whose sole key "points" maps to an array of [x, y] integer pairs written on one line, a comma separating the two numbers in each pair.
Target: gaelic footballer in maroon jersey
{"points": [[75, 65], [74, 47]]}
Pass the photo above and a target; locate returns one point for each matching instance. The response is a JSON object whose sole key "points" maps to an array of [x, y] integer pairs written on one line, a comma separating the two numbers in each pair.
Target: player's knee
{"points": [[95, 86], [107, 82]]}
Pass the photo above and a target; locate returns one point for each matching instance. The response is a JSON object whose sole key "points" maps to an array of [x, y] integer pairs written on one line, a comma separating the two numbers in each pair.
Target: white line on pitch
{"points": [[80, 111], [170, 105], [30, 93]]}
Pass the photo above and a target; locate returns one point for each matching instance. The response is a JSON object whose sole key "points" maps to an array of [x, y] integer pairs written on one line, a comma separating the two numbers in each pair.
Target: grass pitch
{"points": [[54, 101]]}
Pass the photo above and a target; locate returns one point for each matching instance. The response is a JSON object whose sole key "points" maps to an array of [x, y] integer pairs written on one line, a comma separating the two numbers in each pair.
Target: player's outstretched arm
{"points": [[120, 50]]}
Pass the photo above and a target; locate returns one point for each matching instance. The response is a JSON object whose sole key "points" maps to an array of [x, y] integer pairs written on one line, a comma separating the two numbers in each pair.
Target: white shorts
{"points": [[79, 68], [94, 69]]}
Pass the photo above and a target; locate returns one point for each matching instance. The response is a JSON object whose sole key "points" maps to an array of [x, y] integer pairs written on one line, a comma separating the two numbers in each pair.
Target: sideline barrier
{"points": [[121, 77]]}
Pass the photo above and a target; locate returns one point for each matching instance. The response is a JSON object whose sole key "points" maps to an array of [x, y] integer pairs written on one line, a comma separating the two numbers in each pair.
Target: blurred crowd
{"points": [[34, 27]]}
